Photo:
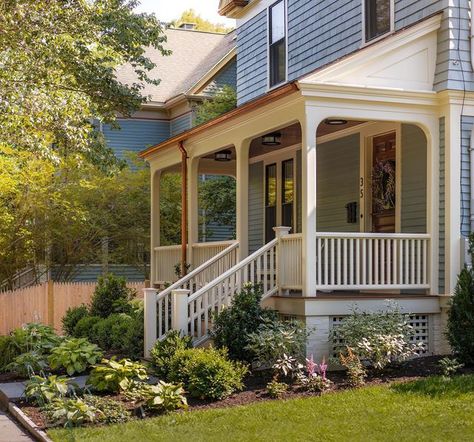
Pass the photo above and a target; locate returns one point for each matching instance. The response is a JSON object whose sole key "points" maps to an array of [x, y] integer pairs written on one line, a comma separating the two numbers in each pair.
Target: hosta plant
{"points": [[71, 412], [165, 397], [115, 376], [29, 363], [74, 355], [42, 390], [111, 412]]}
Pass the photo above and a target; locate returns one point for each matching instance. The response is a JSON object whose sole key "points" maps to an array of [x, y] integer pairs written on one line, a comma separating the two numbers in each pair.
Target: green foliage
{"points": [[276, 389], [356, 372], [85, 327], [41, 390], [133, 340], [71, 412], [223, 101], [111, 412], [110, 296], [110, 333], [74, 355], [234, 325], [460, 330], [450, 366], [8, 351], [115, 376], [28, 363], [207, 373], [163, 351], [287, 367], [314, 383], [274, 339], [165, 397], [378, 338], [59, 62], [217, 199], [170, 209], [35, 337], [190, 16], [72, 317]]}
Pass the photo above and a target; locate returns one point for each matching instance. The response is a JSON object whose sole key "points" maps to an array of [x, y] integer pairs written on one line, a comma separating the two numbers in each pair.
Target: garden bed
{"points": [[255, 389]]}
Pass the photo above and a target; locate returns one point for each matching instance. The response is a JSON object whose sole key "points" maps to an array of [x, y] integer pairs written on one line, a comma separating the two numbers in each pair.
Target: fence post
{"points": [[50, 288], [280, 277], [150, 326], [179, 315]]}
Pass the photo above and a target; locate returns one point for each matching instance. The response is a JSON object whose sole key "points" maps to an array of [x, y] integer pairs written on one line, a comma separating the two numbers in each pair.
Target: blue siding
{"points": [[225, 77], [135, 135], [322, 31], [182, 123], [92, 272], [466, 127], [442, 206], [252, 58]]}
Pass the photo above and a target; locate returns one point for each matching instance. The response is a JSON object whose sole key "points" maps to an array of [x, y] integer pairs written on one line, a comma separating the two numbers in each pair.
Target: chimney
{"points": [[188, 26]]}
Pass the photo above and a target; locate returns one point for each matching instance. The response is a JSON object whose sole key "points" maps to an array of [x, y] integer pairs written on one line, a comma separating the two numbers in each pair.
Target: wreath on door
{"points": [[383, 186]]}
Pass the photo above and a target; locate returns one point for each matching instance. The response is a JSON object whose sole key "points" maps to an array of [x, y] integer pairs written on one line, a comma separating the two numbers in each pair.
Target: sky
{"points": [[167, 10]]}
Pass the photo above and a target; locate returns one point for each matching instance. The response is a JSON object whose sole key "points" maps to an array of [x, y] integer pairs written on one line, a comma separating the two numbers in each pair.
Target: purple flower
{"points": [[322, 368], [311, 366]]}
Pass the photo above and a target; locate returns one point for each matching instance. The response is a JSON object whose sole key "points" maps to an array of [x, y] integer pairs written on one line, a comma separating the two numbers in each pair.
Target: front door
{"points": [[384, 183], [279, 196]]}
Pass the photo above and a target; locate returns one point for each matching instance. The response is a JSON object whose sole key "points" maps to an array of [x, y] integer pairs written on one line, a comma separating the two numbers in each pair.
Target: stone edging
{"points": [[27, 423]]}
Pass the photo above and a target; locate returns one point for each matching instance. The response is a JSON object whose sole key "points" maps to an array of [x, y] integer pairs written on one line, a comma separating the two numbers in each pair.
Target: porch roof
{"points": [[276, 94]]}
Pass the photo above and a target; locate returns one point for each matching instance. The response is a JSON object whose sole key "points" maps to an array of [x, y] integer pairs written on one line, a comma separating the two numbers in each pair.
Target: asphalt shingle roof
{"points": [[194, 53]]}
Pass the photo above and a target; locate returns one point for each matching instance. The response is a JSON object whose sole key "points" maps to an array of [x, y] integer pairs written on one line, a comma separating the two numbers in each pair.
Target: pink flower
{"points": [[311, 366], [322, 368]]}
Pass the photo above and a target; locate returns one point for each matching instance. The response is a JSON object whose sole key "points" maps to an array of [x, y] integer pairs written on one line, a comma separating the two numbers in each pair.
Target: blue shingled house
{"points": [[353, 151]]}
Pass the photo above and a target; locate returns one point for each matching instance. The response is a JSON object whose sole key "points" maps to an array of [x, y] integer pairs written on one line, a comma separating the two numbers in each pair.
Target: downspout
{"points": [[184, 207]]}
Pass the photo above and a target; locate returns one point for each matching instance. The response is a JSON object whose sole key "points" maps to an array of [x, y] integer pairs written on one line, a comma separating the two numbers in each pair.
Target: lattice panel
{"points": [[420, 324]]}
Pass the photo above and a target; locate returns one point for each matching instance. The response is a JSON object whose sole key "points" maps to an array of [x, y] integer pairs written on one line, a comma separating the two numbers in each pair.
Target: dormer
{"points": [[231, 8]]}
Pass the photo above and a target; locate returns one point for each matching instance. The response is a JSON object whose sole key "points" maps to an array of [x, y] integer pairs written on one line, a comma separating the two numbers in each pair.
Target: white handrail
{"points": [[234, 269], [373, 235], [181, 282]]}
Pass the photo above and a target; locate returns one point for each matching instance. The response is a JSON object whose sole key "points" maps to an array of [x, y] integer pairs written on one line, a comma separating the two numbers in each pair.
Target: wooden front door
{"points": [[384, 184]]}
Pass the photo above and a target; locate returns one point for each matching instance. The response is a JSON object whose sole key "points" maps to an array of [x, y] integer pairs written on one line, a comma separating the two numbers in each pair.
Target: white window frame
{"points": [[269, 86], [392, 24]]}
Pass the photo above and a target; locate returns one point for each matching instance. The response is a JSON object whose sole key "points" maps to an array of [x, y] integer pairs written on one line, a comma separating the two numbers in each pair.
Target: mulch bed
{"points": [[254, 390]]}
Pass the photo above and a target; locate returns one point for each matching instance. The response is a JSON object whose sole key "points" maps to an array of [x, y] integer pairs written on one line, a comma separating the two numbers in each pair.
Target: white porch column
{"points": [[193, 206], [155, 222], [309, 126], [242, 184]]}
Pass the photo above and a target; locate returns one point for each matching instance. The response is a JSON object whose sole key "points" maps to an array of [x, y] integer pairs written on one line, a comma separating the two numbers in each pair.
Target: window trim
{"points": [[285, 9], [366, 42]]}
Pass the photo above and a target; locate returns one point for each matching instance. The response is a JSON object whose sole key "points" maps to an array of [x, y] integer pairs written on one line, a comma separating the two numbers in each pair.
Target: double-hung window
{"points": [[277, 43], [378, 18]]}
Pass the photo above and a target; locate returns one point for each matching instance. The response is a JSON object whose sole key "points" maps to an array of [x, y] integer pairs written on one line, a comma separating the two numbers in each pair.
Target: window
{"points": [[277, 43], [287, 193], [378, 20], [270, 201]]}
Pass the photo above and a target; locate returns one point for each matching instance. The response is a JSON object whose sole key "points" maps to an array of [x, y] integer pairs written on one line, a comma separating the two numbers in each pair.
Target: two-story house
{"points": [[352, 154]]}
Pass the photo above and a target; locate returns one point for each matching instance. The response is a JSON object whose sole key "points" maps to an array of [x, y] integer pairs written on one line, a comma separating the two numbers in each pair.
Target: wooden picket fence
{"points": [[46, 303]]}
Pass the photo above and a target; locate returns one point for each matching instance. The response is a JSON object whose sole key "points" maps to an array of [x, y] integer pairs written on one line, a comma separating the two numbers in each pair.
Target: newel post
{"points": [[280, 276], [179, 315], [150, 326]]}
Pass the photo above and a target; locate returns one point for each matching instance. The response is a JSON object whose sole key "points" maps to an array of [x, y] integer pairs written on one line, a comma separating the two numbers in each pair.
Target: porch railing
{"points": [[372, 261], [166, 258], [290, 262]]}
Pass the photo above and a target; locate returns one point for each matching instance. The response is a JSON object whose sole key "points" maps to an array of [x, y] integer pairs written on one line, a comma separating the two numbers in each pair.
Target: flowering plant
{"points": [[383, 185]]}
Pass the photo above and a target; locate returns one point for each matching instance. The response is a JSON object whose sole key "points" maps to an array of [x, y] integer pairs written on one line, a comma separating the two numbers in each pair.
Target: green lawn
{"points": [[425, 410]]}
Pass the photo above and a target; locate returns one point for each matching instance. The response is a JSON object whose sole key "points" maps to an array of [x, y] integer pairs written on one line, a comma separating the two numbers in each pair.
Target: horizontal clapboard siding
{"points": [[255, 206], [135, 135], [227, 76], [337, 183], [467, 123], [92, 272], [414, 170], [181, 124]]}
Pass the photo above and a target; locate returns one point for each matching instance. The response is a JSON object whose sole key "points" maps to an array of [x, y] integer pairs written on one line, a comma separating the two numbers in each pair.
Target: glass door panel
{"points": [[287, 193], [270, 201]]}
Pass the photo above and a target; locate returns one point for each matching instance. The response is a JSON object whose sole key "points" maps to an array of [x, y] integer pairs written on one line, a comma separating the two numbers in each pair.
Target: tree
{"points": [[56, 214], [223, 101], [460, 330], [190, 16], [170, 209], [58, 63]]}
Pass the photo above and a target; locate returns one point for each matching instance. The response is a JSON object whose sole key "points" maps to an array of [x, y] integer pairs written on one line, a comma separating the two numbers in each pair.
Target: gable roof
{"points": [[194, 53]]}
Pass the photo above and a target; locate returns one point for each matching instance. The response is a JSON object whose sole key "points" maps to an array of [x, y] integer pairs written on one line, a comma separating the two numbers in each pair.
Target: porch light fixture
{"points": [[223, 155], [273, 139], [335, 121]]}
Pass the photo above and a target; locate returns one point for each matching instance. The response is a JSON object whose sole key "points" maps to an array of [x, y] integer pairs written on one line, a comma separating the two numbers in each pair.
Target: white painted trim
{"points": [[392, 24]]}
